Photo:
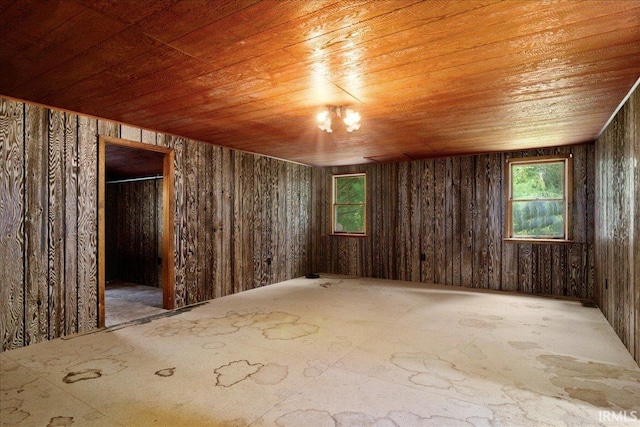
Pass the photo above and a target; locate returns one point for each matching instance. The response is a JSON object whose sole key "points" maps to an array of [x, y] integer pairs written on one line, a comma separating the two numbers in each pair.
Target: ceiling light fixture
{"points": [[350, 118]]}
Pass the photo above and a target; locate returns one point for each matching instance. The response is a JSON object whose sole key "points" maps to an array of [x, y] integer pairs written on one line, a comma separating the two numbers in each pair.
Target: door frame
{"points": [[168, 276]]}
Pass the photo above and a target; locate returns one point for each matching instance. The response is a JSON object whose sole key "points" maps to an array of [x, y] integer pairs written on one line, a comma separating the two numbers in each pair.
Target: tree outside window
{"points": [[538, 198], [349, 204]]}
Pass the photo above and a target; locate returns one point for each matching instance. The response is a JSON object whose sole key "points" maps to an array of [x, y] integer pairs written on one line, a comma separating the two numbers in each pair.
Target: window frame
{"points": [[333, 231], [567, 199]]}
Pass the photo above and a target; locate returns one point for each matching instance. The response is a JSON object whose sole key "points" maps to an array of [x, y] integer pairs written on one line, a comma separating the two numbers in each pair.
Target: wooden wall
{"points": [[133, 229], [451, 210], [240, 220], [48, 220], [617, 233]]}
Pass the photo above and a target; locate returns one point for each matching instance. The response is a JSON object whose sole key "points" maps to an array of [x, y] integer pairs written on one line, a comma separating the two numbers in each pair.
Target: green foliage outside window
{"points": [[349, 203], [538, 199]]}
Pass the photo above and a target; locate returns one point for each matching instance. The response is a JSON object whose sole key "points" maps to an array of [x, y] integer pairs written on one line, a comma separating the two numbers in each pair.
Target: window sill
{"points": [[347, 235], [539, 241]]}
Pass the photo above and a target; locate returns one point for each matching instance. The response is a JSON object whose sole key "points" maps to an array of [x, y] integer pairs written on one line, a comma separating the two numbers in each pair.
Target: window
{"points": [[538, 198], [349, 204]]}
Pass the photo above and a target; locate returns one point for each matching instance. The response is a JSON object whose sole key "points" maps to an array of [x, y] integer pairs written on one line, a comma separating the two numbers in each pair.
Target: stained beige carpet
{"points": [[335, 352]]}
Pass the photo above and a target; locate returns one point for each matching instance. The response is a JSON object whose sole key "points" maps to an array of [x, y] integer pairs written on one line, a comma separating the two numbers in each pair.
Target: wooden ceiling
{"points": [[429, 78]]}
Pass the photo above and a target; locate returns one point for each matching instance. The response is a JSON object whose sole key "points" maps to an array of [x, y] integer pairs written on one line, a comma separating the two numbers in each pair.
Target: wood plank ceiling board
{"points": [[429, 78]]}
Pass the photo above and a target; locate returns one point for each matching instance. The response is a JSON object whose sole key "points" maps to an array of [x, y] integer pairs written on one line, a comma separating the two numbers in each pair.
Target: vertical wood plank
{"points": [[466, 206], [141, 235], [316, 212], [159, 224], [535, 252], [217, 176], [271, 231], [324, 224], [238, 255], [214, 237], [226, 219], [55, 223], [480, 224], [392, 218], [293, 224], [590, 206], [577, 255], [150, 242], [510, 274], [278, 211], [12, 244], [456, 231], [525, 254], [440, 222], [559, 274], [36, 230], [192, 159], [376, 223], [71, 224], [101, 179], [180, 245], [494, 201], [427, 200], [403, 223], [206, 283], [247, 220], [128, 234], [385, 235], [414, 228], [305, 220], [545, 269], [449, 241], [258, 210], [87, 224], [279, 248]]}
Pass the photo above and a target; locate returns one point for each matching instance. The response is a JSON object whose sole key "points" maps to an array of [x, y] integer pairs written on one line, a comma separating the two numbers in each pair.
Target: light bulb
{"points": [[326, 125], [322, 116], [352, 118]]}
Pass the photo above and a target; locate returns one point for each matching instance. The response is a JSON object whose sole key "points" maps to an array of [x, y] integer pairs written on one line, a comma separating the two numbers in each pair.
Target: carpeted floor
{"points": [[335, 351]]}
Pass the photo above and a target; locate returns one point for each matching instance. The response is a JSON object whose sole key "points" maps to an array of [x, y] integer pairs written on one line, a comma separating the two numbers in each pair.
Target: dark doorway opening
{"points": [[134, 260]]}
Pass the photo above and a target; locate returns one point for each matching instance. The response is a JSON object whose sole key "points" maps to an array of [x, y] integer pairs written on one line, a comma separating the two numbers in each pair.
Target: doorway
{"points": [[135, 230]]}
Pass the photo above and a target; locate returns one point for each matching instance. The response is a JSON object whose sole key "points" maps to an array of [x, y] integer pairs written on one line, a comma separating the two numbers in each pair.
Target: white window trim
{"points": [[567, 159], [333, 230]]}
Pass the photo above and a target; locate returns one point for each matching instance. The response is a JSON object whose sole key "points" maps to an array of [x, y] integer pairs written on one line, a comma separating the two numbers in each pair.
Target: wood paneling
{"points": [[132, 230], [12, 219], [36, 229], [55, 221], [237, 221], [455, 210], [617, 230], [87, 197], [71, 224], [465, 77]]}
